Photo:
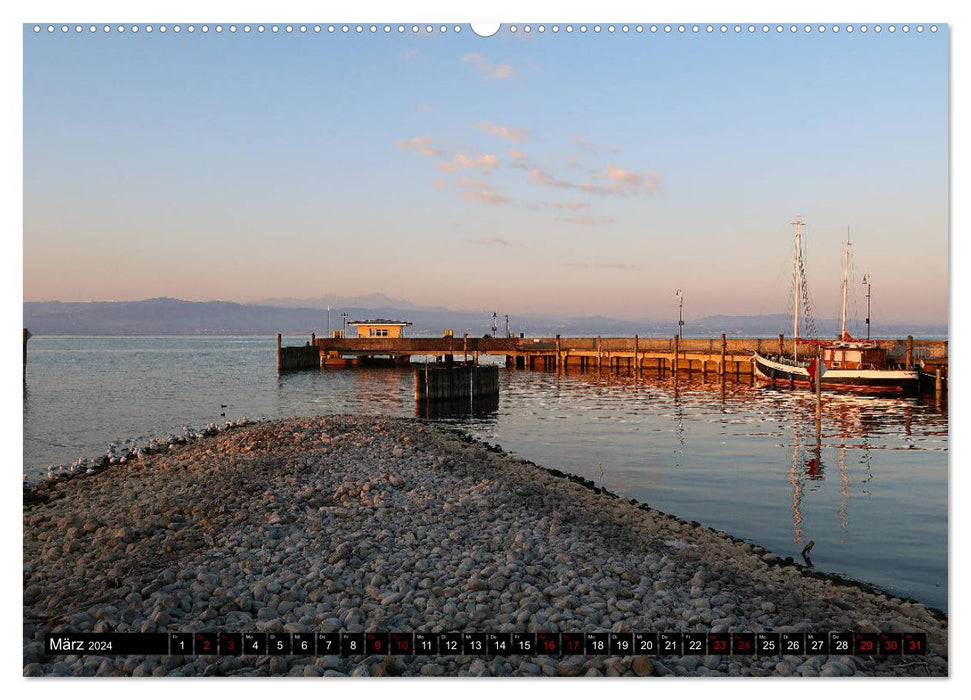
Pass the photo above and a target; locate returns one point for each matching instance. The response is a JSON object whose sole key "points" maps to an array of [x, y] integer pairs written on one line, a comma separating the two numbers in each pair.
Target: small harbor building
{"points": [[380, 328]]}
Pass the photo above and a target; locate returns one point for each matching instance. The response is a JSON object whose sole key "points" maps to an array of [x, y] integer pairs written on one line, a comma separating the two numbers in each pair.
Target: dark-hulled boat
{"points": [[847, 364], [850, 365]]}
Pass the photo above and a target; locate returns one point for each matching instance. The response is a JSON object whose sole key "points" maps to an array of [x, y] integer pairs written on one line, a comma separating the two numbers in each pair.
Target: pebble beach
{"points": [[360, 523]]}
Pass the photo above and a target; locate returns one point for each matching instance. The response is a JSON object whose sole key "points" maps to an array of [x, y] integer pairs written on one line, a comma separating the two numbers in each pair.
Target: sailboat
{"points": [[845, 364]]}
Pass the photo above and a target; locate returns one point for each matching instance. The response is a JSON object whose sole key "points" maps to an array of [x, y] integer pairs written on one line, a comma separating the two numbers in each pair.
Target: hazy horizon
{"points": [[565, 174]]}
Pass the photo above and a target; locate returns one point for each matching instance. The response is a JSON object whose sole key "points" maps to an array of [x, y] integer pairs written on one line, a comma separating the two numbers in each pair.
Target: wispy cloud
{"points": [[508, 133], [487, 68], [491, 240], [588, 145], [425, 108], [590, 220], [604, 266], [519, 159], [412, 53], [422, 145], [479, 191], [571, 204], [614, 180], [441, 184], [485, 163], [626, 181]]}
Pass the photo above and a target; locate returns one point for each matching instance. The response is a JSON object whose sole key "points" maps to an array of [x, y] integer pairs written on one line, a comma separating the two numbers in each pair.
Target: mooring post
{"points": [[781, 345], [819, 393], [600, 354], [465, 348], [27, 335], [910, 352], [279, 352], [721, 367], [938, 381], [677, 349], [637, 360], [313, 339], [559, 358]]}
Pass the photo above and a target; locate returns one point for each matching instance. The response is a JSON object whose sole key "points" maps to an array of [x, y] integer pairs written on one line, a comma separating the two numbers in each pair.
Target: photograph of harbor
{"points": [[526, 350]]}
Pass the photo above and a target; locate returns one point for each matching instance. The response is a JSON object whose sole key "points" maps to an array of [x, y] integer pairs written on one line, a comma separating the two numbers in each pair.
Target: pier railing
{"points": [[897, 349]]}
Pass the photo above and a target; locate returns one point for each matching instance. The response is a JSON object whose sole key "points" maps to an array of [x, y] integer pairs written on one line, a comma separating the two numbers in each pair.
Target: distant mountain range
{"points": [[165, 316]]}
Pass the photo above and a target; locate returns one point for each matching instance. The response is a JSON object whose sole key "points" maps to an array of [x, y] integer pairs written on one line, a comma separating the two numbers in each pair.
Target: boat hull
{"points": [[863, 381]]}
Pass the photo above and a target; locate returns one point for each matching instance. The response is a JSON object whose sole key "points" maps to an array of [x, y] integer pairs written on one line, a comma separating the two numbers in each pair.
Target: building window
{"points": [[378, 332]]}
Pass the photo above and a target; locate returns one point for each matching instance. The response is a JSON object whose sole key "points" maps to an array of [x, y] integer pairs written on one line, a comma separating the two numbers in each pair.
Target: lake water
{"points": [[871, 492]]}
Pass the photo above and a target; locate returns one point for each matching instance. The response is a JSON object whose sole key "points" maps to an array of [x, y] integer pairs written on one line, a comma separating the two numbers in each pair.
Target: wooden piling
{"points": [[559, 357], [465, 347], [27, 335], [279, 352], [677, 349], [637, 359], [781, 343], [938, 381], [438, 383], [910, 352], [600, 354], [819, 393], [721, 367]]}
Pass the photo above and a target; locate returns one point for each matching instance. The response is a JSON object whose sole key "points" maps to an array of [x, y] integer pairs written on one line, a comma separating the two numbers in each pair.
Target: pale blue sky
{"points": [[560, 173]]}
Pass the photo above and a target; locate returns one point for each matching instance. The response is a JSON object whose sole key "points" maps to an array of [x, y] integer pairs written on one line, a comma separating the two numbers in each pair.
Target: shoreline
{"points": [[382, 495]]}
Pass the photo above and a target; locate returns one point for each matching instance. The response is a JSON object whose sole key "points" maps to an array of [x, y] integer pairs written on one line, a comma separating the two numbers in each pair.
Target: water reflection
{"points": [[483, 408], [727, 453]]}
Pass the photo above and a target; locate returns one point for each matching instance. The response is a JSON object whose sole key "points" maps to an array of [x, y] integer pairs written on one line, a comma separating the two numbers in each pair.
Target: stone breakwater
{"points": [[376, 524]]}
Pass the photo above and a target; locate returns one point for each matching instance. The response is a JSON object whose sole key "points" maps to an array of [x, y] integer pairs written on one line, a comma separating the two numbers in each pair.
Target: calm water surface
{"points": [[871, 493]]}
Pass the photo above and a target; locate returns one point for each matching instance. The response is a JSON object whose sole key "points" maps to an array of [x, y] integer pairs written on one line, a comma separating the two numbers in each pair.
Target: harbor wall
{"points": [[296, 357], [444, 383]]}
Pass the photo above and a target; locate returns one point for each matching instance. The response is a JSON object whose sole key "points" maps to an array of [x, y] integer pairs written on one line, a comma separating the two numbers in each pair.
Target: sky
{"points": [[563, 173]]}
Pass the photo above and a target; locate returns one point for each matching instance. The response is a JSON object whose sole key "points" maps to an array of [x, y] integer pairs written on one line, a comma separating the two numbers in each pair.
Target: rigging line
{"points": [[807, 303]]}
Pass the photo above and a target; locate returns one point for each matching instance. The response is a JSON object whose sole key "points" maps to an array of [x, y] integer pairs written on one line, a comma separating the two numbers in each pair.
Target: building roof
{"points": [[379, 322]]}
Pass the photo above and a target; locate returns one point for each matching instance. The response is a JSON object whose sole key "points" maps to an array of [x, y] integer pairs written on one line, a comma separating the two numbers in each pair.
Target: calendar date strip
{"points": [[487, 644]]}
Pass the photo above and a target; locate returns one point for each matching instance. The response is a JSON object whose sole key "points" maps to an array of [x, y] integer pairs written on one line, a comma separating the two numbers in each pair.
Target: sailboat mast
{"points": [[797, 288], [846, 274]]}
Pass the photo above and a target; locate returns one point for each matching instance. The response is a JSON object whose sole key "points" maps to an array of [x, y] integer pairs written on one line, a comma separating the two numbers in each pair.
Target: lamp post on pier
{"points": [[866, 281], [680, 296], [344, 314]]}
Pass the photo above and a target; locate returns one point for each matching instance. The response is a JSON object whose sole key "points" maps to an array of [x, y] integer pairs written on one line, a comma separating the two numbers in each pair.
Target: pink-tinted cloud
{"points": [[614, 180], [506, 132], [441, 184], [479, 191], [491, 240], [422, 145], [412, 53], [625, 181], [571, 204], [589, 145], [484, 163], [519, 159], [590, 220], [487, 68]]}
